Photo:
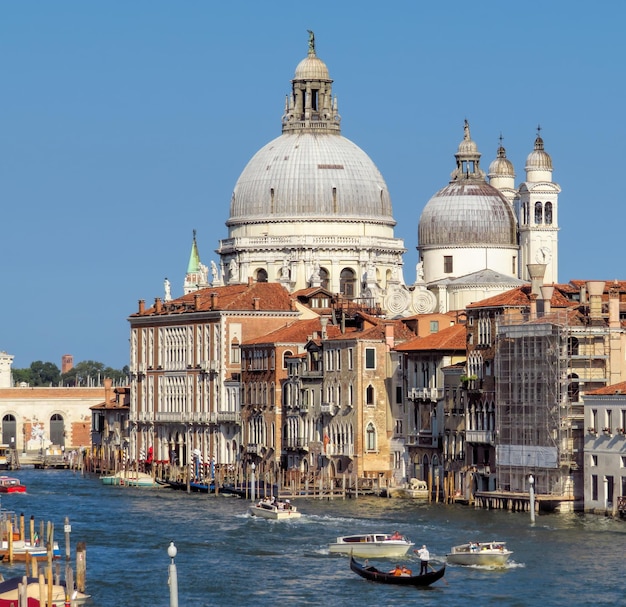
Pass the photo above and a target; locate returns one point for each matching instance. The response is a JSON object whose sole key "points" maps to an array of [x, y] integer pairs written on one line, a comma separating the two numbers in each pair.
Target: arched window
{"points": [[9, 429], [370, 437], [538, 213], [369, 395], [324, 278], [347, 282], [286, 354], [525, 213], [57, 430], [261, 275], [572, 346], [548, 217]]}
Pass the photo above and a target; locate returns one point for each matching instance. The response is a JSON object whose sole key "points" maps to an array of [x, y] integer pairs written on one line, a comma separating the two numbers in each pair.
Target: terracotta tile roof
{"points": [[609, 390], [520, 297], [377, 331], [299, 331], [450, 338], [242, 297]]}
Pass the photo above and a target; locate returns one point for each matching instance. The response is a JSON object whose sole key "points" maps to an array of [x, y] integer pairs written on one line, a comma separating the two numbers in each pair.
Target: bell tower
{"points": [[538, 215]]}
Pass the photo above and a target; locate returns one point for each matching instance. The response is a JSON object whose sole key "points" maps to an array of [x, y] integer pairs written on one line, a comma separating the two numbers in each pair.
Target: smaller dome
{"points": [[501, 166], [467, 146], [539, 159], [311, 68]]}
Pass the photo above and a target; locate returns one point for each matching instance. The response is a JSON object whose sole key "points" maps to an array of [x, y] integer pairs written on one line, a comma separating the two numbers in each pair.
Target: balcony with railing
{"points": [[486, 437], [424, 394]]}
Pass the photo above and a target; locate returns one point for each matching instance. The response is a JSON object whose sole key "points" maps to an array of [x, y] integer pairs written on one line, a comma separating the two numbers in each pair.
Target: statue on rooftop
{"points": [[311, 42]]}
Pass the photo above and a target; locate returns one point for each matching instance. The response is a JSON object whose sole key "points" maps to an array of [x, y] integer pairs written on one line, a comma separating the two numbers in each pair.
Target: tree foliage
{"points": [[86, 373]]}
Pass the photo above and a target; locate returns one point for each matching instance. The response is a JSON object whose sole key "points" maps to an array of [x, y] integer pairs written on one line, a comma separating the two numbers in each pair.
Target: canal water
{"points": [[226, 557]]}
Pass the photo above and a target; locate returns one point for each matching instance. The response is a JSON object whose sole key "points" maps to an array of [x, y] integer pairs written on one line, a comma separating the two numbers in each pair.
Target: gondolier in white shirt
{"points": [[424, 558]]}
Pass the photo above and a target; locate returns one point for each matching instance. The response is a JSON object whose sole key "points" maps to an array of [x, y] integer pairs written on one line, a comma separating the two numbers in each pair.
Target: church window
{"points": [[548, 213], [261, 275], [524, 213], [514, 265], [447, 264], [334, 200], [538, 213], [347, 282], [324, 278]]}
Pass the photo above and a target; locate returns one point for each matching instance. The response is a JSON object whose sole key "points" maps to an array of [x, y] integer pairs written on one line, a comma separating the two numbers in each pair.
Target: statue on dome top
{"points": [[311, 42]]}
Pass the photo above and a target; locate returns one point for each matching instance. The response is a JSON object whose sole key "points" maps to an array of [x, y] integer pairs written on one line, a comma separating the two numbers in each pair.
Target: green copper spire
{"points": [[194, 257]]}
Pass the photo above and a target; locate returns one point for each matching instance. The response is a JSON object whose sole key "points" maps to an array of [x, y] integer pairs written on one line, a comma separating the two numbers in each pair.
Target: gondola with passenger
{"points": [[396, 577]]}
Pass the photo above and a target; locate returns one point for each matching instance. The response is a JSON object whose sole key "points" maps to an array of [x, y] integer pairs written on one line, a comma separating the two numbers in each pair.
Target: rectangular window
{"points": [[434, 326], [594, 460], [447, 264], [370, 358], [350, 359], [398, 395], [338, 360], [594, 487], [610, 488]]}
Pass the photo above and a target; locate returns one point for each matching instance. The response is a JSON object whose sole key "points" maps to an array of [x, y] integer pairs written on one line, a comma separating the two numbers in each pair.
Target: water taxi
{"points": [[372, 545], [275, 510], [8, 484], [484, 554]]}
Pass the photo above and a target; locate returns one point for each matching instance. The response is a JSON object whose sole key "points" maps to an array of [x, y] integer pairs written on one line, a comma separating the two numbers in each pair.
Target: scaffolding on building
{"points": [[542, 367]]}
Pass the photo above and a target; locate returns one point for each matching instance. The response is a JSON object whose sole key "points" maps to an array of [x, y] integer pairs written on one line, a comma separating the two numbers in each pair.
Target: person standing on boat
{"points": [[424, 558]]}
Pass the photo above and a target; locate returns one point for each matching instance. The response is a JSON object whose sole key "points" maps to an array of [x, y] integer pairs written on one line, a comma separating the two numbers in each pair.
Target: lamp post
{"points": [[173, 576], [531, 483], [252, 483]]}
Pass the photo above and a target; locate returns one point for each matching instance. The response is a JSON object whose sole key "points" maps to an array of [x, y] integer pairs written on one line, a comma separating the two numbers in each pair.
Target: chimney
{"points": [[250, 281], [324, 323], [533, 306], [157, 305], [614, 322], [583, 294], [142, 306], [389, 336], [595, 288], [256, 303], [546, 295], [292, 305], [214, 300], [196, 301], [536, 271], [108, 384]]}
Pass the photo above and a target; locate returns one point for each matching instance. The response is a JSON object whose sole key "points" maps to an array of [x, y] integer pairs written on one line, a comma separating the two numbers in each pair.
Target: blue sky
{"points": [[125, 125]]}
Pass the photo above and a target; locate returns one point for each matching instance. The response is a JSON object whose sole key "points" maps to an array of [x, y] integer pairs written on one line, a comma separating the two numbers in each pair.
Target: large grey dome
{"points": [[467, 213], [304, 175]]}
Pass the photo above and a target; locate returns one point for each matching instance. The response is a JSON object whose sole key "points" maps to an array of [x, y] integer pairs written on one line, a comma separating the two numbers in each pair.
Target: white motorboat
{"points": [[415, 489], [131, 478], [275, 510], [484, 554], [372, 545]]}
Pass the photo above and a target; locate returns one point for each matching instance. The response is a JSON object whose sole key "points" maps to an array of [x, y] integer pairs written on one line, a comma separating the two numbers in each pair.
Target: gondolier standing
{"points": [[424, 558]]}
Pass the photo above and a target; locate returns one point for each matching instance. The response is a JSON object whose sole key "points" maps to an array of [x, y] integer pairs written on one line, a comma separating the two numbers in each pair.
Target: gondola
{"points": [[374, 575]]}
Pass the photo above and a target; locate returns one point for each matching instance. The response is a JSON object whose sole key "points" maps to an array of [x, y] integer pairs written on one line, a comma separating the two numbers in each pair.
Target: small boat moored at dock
{"points": [[483, 554], [372, 545], [399, 576], [8, 484], [9, 593], [21, 549], [130, 478], [275, 510]]}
